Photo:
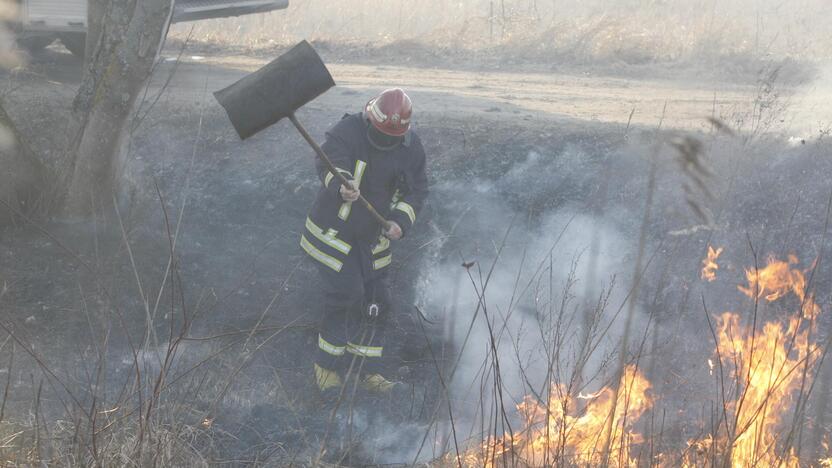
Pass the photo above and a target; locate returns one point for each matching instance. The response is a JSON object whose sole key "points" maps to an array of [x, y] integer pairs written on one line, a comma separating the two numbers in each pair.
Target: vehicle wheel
{"points": [[34, 44], [75, 43]]}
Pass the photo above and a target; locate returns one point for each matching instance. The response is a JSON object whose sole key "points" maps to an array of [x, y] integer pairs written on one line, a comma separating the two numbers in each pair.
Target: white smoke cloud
{"points": [[548, 273]]}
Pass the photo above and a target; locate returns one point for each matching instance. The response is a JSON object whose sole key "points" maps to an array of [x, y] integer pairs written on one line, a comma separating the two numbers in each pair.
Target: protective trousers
{"points": [[356, 305]]}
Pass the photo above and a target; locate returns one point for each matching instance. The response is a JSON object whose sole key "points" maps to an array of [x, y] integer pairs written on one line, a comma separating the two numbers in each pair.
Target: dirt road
{"points": [[551, 95], [498, 94]]}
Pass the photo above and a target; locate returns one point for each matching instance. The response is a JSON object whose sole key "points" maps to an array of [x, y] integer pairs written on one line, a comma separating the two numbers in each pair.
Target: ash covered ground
{"points": [[541, 180]]}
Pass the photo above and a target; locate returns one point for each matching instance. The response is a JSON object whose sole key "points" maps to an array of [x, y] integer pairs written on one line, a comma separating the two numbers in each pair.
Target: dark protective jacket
{"points": [[393, 181]]}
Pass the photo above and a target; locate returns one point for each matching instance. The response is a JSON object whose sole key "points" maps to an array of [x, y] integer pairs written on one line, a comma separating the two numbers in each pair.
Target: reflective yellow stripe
{"points": [[328, 238], [344, 211], [330, 175], [359, 171], [382, 262], [330, 348], [364, 351], [383, 244], [320, 256], [346, 207], [408, 210]]}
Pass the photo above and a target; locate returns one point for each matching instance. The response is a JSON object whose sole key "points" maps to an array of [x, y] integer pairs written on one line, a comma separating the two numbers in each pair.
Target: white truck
{"points": [[41, 22]]}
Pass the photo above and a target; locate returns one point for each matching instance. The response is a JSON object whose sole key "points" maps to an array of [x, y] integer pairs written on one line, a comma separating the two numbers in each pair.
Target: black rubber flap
{"points": [[275, 91]]}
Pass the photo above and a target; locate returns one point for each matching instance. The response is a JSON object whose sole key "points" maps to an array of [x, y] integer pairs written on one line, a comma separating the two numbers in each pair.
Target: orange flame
{"points": [[776, 280], [709, 265], [768, 365], [558, 431], [766, 369]]}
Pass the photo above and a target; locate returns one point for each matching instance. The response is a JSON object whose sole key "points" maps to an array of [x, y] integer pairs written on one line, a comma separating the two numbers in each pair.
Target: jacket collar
{"points": [[408, 137]]}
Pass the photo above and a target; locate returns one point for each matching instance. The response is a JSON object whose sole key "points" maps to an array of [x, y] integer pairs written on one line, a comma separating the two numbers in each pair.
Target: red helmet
{"points": [[390, 112]]}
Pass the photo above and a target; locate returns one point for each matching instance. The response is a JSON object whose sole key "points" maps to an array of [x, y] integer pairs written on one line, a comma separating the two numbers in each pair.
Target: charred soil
{"points": [[513, 161]]}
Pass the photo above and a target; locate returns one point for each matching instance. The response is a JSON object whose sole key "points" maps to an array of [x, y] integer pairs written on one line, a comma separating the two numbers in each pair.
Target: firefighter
{"points": [[383, 158]]}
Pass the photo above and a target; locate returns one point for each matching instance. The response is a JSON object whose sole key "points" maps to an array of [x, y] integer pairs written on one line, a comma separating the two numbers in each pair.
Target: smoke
{"points": [[542, 276], [812, 116], [382, 441], [9, 57]]}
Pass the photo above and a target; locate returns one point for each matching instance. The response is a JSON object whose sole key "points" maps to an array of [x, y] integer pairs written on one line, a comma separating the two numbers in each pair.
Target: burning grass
{"points": [[764, 372], [709, 264], [770, 372], [572, 429]]}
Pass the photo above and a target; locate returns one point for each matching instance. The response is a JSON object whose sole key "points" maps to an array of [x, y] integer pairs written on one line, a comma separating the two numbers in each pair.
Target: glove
{"points": [[349, 195], [393, 231]]}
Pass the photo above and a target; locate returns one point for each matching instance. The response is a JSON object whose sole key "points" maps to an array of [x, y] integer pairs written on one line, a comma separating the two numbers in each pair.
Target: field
{"points": [[552, 303]]}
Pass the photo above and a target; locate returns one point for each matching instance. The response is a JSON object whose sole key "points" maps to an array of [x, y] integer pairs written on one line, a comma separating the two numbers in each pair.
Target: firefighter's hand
{"points": [[349, 194], [393, 231]]}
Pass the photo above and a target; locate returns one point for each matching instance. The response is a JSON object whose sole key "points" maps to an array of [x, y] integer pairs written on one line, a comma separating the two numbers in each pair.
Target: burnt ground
{"points": [[498, 165]]}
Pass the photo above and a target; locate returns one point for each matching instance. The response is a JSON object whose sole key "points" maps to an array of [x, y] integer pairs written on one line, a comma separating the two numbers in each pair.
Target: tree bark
{"points": [[131, 32], [95, 18]]}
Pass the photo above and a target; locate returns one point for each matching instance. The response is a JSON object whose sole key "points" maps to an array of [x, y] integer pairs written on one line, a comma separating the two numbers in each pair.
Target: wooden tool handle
{"points": [[320, 152]]}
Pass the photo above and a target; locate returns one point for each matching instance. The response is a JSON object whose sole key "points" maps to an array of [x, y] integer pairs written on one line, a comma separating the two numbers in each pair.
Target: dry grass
{"points": [[735, 34], [165, 430]]}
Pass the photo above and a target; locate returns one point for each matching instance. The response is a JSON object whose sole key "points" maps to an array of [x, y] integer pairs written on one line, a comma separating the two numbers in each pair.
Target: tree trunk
{"points": [[23, 176], [95, 18], [131, 32]]}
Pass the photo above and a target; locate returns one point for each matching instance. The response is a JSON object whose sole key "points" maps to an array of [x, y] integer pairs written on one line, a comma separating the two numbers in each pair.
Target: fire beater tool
{"points": [[276, 91]]}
